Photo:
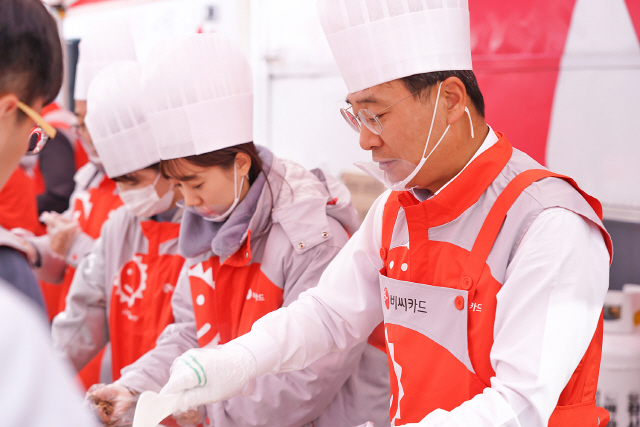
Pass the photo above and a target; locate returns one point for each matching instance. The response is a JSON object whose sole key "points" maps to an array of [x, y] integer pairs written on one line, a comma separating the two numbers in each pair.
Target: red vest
{"points": [[141, 297], [443, 360], [229, 297]]}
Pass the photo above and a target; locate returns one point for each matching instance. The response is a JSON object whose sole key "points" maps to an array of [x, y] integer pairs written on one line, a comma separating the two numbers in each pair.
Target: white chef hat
{"points": [[199, 96], [116, 119], [105, 43], [377, 41]]}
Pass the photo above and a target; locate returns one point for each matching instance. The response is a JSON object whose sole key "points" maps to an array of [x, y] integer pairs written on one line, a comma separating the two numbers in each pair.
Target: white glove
{"points": [[209, 375]]}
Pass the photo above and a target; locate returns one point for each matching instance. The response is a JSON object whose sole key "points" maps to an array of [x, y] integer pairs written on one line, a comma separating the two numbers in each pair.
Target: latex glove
{"points": [[191, 418], [61, 231], [113, 403], [209, 375]]}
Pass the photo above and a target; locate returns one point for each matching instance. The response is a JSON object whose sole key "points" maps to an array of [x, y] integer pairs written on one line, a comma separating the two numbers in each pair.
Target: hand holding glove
{"points": [[191, 418], [209, 375], [113, 403]]}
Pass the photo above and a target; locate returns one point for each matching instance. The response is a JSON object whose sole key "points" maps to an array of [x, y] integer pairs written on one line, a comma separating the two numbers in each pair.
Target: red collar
{"points": [[465, 189]]}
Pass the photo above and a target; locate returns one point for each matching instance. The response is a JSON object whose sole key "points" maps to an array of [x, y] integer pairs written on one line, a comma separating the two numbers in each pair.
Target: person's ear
{"points": [[455, 95], [8, 104], [243, 164]]}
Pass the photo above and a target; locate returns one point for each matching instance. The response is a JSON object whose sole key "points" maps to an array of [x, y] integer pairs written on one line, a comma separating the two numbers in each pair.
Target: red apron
{"points": [[438, 350], [141, 297]]}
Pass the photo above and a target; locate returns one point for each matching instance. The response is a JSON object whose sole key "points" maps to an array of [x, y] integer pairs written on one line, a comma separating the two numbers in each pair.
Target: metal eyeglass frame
{"points": [[369, 119]]}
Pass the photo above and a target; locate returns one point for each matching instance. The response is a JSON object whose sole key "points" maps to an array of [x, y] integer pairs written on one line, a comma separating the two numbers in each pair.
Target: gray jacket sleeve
{"points": [[15, 269], [299, 397], [82, 329], [151, 371]]}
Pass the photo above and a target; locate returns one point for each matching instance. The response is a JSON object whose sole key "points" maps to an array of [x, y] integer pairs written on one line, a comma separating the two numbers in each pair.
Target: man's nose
{"points": [[369, 140]]}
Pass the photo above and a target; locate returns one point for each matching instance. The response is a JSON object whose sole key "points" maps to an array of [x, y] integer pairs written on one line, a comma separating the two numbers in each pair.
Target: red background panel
{"points": [[516, 48]]}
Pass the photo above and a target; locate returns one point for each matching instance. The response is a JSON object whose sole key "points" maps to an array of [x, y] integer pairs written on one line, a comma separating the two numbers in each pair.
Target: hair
{"points": [[30, 51], [223, 158], [420, 82], [130, 178]]}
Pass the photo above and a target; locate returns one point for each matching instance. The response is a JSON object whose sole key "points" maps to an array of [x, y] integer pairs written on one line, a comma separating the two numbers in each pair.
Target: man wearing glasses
{"points": [[488, 270], [30, 77]]}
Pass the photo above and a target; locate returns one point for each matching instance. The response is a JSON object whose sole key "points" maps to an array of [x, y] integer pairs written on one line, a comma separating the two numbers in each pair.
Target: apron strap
{"points": [[493, 223], [389, 216]]}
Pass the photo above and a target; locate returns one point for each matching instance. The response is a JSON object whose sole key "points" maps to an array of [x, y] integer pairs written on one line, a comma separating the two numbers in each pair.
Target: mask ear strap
{"points": [[470, 122]]}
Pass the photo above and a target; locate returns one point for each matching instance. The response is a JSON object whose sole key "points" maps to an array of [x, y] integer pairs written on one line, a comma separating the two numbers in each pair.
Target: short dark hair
{"points": [[30, 51], [418, 82]]}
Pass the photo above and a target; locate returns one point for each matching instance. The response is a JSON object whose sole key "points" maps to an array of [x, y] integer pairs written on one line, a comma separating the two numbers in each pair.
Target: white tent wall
{"points": [[299, 90], [594, 135], [153, 21]]}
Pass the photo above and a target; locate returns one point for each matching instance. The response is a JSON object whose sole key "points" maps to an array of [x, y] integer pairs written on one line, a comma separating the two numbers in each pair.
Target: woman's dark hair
{"points": [[130, 178], [223, 158], [419, 82], [30, 51]]}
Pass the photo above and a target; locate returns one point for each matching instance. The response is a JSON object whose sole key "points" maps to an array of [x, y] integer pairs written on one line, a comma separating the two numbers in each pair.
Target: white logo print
{"points": [[199, 272], [132, 281], [255, 296], [398, 370]]}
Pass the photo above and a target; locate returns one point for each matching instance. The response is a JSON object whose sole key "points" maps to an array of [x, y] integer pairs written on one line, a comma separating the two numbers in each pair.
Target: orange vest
{"points": [[141, 297], [433, 291]]}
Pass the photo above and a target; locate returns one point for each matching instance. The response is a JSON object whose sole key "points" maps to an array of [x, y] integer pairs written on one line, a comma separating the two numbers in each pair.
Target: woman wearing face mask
{"points": [[122, 291], [257, 231]]}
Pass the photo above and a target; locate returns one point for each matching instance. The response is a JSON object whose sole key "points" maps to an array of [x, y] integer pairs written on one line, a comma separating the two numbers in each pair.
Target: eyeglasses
{"points": [[41, 133], [77, 130], [369, 119]]}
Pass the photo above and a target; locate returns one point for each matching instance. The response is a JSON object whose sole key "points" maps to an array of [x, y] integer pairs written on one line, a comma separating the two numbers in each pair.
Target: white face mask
{"points": [[395, 174], [144, 202], [212, 212]]}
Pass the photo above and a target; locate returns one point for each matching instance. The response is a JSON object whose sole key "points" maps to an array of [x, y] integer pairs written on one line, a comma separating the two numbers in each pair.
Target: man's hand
{"points": [[206, 375], [191, 418], [113, 403], [61, 231]]}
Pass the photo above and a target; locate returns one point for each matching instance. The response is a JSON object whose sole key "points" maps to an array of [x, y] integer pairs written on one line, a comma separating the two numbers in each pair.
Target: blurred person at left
{"points": [[36, 387]]}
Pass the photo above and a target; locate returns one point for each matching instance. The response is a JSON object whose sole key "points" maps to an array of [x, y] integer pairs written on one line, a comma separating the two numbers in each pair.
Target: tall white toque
{"points": [[106, 42], [377, 41], [116, 119], [199, 96]]}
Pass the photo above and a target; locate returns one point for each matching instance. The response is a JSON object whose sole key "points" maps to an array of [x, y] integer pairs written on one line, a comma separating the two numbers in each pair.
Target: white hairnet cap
{"points": [[377, 41], [107, 42], [116, 119], [199, 96]]}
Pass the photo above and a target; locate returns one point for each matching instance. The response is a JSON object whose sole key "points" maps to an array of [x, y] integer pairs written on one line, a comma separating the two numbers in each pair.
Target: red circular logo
{"points": [[386, 298]]}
